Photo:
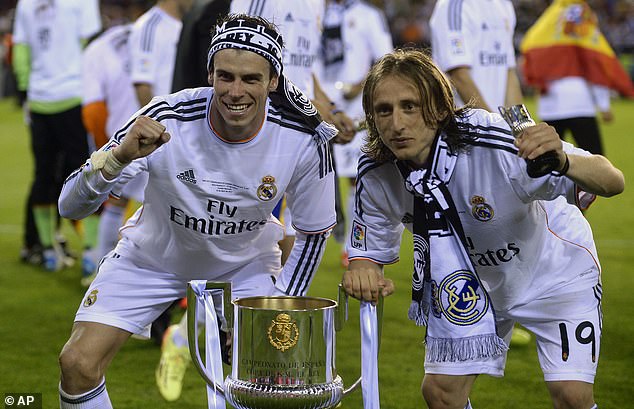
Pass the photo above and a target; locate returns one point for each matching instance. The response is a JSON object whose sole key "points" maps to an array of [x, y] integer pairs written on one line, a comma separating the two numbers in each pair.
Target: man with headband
{"points": [[219, 158]]}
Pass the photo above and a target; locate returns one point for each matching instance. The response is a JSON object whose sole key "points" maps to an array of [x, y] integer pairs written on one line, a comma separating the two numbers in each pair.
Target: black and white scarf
{"points": [[447, 295], [298, 107]]}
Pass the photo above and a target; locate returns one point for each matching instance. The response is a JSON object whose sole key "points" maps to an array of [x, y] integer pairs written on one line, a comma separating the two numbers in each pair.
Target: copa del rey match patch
{"points": [[358, 236]]}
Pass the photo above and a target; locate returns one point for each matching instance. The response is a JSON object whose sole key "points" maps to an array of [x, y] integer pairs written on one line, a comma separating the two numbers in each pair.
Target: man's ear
{"points": [[210, 78], [273, 83]]}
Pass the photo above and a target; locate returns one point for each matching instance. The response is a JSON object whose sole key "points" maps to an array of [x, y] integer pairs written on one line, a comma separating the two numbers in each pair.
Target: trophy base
{"points": [[249, 395]]}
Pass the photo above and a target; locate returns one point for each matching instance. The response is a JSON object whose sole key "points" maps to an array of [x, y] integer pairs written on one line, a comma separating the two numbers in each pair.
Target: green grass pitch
{"points": [[37, 308]]}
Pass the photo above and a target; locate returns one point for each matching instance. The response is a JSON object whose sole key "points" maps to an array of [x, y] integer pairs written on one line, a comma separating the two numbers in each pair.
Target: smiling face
{"points": [[242, 82], [398, 116]]}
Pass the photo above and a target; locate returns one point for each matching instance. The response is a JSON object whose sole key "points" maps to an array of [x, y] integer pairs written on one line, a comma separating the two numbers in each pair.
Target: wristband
{"points": [[106, 160], [563, 170]]}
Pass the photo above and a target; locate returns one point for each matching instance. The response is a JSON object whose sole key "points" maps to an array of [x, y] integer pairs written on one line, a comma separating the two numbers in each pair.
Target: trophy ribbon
{"points": [[213, 362], [369, 356]]}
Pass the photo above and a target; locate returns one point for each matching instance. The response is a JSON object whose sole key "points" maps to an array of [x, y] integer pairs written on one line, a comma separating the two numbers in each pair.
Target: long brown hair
{"points": [[436, 96]]}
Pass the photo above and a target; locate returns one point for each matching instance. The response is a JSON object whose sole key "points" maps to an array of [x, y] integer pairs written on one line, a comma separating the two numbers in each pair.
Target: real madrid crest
{"points": [[91, 298], [296, 97], [267, 190], [283, 333], [461, 299], [480, 209]]}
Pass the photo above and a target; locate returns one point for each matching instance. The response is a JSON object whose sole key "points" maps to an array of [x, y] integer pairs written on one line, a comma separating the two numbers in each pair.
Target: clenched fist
{"points": [[143, 138]]}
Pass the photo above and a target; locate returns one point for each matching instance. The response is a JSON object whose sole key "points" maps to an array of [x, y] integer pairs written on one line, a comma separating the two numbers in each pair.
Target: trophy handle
{"points": [[192, 324], [341, 316]]}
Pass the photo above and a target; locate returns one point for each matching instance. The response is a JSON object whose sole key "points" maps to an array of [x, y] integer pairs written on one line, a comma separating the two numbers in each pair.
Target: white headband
{"points": [[245, 35]]}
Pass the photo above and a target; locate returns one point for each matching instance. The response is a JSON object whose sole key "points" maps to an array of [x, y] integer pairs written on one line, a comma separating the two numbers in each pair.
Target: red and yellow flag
{"points": [[565, 41]]}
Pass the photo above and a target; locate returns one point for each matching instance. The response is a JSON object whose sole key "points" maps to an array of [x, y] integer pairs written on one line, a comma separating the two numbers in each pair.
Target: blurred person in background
{"points": [[48, 39], [473, 43], [191, 51], [571, 64], [355, 35], [153, 45]]}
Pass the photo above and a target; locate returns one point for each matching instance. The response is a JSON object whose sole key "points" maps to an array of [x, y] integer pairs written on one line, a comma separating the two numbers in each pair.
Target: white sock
{"points": [[179, 336], [95, 399], [595, 406], [468, 405], [110, 221]]}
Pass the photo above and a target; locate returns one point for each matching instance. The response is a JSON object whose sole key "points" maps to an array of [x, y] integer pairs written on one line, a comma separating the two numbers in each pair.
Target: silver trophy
{"points": [[283, 350], [518, 118]]}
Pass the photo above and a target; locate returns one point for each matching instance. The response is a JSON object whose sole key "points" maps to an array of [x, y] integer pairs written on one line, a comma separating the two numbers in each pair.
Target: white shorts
{"points": [[567, 328], [347, 156], [130, 294]]}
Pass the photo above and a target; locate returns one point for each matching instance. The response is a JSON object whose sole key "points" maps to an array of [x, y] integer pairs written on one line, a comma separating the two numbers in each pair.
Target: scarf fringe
{"points": [[418, 312], [463, 349], [324, 132]]}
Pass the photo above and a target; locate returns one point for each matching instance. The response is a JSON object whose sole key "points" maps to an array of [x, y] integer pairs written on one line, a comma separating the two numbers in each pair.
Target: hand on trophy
{"points": [[539, 160], [364, 280], [539, 139]]}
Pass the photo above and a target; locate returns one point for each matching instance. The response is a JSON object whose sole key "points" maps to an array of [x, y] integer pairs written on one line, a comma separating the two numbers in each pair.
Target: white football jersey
{"points": [[54, 31], [208, 200], [299, 21], [356, 35], [106, 76], [524, 237], [478, 35], [153, 48]]}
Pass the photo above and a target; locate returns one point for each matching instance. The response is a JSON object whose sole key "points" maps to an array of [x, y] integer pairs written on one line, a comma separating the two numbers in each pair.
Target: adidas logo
{"points": [[187, 176], [289, 17]]}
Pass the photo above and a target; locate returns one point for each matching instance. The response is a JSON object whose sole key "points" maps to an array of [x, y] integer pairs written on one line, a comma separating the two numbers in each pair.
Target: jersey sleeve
{"points": [[143, 61], [311, 191], [450, 35], [20, 28], [302, 263], [547, 187], [85, 189], [601, 96], [376, 229], [90, 18]]}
